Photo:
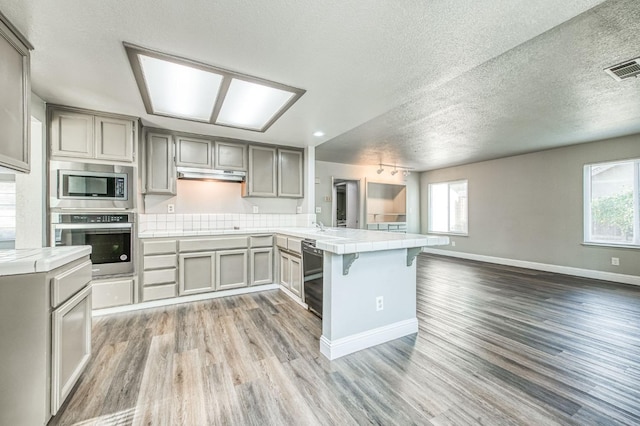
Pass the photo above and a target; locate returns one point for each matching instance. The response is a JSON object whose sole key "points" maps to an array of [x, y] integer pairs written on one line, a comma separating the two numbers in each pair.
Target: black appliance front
{"points": [[312, 271]]}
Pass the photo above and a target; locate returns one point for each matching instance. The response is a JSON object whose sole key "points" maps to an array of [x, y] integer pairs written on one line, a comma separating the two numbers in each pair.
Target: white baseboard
{"points": [[183, 299], [333, 349], [567, 270]]}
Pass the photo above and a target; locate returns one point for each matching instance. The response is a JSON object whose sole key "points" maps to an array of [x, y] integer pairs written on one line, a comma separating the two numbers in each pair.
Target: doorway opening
{"points": [[346, 203]]}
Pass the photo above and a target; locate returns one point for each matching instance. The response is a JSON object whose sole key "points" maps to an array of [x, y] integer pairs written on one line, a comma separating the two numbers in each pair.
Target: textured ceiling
{"points": [[547, 92], [425, 83]]}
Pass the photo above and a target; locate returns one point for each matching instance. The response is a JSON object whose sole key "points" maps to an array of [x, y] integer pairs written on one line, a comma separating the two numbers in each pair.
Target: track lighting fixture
{"points": [[406, 171]]}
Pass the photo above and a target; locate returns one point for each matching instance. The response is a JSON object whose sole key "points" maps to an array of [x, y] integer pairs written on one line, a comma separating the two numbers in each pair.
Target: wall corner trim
{"points": [[558, 269]]}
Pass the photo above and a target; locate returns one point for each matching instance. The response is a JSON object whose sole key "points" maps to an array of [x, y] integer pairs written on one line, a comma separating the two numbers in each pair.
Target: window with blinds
{"points": [[7, 211]]}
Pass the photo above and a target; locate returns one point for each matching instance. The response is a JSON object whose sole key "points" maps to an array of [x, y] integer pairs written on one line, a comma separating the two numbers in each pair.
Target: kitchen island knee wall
{"points": [[527, 210]]}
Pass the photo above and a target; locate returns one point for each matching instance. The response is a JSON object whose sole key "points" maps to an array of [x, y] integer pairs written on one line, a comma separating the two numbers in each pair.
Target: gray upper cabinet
{"points": [[160, 165], [15, 90], [82, 135], [230, 156], [261, 179], [114, 139], [193, 153], [71, 134], [290, 178]]}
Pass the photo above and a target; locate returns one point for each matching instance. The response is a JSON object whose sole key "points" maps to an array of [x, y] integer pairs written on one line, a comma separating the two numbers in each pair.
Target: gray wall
{"points": [[326, 170], [530, 207]]}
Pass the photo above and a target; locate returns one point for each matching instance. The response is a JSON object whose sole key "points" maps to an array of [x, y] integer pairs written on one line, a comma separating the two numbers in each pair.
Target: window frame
{"points": [[429, 215], [587, 238]]}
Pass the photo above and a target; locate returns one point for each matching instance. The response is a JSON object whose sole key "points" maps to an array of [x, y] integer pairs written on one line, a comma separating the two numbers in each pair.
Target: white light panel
{"points": [[180, 90], [251, 105]]}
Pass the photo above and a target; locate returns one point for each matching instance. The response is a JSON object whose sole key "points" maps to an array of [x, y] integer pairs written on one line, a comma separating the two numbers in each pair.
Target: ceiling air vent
{"points": [[624, 70]]}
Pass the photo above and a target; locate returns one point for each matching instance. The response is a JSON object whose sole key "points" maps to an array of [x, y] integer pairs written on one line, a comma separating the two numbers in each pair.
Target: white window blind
{"points": [[448, 207], [7, 209]]}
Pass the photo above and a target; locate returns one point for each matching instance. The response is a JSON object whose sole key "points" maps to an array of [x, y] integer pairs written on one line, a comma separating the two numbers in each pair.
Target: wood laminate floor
{"points": [[497, 345]]}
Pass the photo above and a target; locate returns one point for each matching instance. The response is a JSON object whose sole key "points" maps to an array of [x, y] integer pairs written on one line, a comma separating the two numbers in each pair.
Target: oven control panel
{"points": [[95, 218]]}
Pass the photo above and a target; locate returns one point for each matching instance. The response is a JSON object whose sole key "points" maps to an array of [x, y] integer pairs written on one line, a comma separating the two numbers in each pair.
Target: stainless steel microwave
{"points": [[90, 186]]}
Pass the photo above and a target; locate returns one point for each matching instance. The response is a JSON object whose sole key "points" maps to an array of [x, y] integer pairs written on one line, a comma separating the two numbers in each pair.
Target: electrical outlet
{"points": [[453, 243], [171, 208], [318, 209], [256, 209], [299, 209], [615, 261], [379, 303]]}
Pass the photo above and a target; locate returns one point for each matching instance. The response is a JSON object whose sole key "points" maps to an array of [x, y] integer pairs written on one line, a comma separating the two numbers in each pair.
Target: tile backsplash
{"points": [[197, 222]]}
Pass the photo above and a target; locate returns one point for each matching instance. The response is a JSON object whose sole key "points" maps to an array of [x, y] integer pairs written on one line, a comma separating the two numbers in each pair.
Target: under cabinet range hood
{"points": [[210, 174]]}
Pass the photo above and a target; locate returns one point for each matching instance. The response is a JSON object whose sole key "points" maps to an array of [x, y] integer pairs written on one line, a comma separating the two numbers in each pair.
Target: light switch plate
{"points": [[298, 209], [256, 209]]}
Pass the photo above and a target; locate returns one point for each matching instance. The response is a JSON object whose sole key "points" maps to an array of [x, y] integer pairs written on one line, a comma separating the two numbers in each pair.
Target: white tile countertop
{"points": [[29, 261], [334, 240]]}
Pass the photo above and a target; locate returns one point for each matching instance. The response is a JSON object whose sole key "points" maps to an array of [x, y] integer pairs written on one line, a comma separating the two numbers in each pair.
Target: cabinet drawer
{"points": [[294, 244], [158, 247], [261, 241], [159, 292], [281, 241], [111, 293], [212, 244], [160, 276], [158, 262], [67, 283]]}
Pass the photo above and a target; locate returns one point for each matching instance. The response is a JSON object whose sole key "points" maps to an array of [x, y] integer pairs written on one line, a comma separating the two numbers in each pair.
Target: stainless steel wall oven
{"points": [[110, 235]]}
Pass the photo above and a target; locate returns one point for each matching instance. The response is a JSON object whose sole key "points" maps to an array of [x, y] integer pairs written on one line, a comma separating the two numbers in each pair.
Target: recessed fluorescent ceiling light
{"points": [[181, 88], [251, 105], [318, 134]]}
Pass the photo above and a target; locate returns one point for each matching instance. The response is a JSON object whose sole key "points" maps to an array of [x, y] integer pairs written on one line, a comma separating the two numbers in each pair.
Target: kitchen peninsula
{"points": [[362, 270]]}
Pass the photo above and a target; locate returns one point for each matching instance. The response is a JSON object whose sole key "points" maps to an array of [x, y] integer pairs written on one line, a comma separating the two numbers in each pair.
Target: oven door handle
{"points": [[93, 225]]}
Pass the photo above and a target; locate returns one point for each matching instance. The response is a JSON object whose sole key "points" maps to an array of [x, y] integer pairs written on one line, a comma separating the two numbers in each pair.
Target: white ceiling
{"points": [[422, 83]]}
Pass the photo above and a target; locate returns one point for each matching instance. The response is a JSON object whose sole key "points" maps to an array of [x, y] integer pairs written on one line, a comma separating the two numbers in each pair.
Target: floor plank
{"points": [[497, 345]]}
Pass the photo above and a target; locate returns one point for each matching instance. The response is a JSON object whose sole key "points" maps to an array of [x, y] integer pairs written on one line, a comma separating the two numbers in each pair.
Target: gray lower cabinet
{"points": [[231, 269], [261, 177], [46, 340], [295, 269], [159, 269], [160, 175], [192, 152], [112, 293], [290, 176], [70, 345], [285, 274], [15, 98], [261, 261], [230, 156], [197, 272]]}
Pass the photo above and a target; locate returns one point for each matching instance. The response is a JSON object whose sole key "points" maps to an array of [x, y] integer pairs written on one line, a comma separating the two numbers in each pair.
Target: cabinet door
{"points": [[197, 272], [231, 269], [107, 294], [230, 156], [262, 172], [160, 164], [193, 153], [285, 274], [72, 134], [114, 139], [295, 271], [261, 261], [71, 345], [15, 90], [290, 179]]}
